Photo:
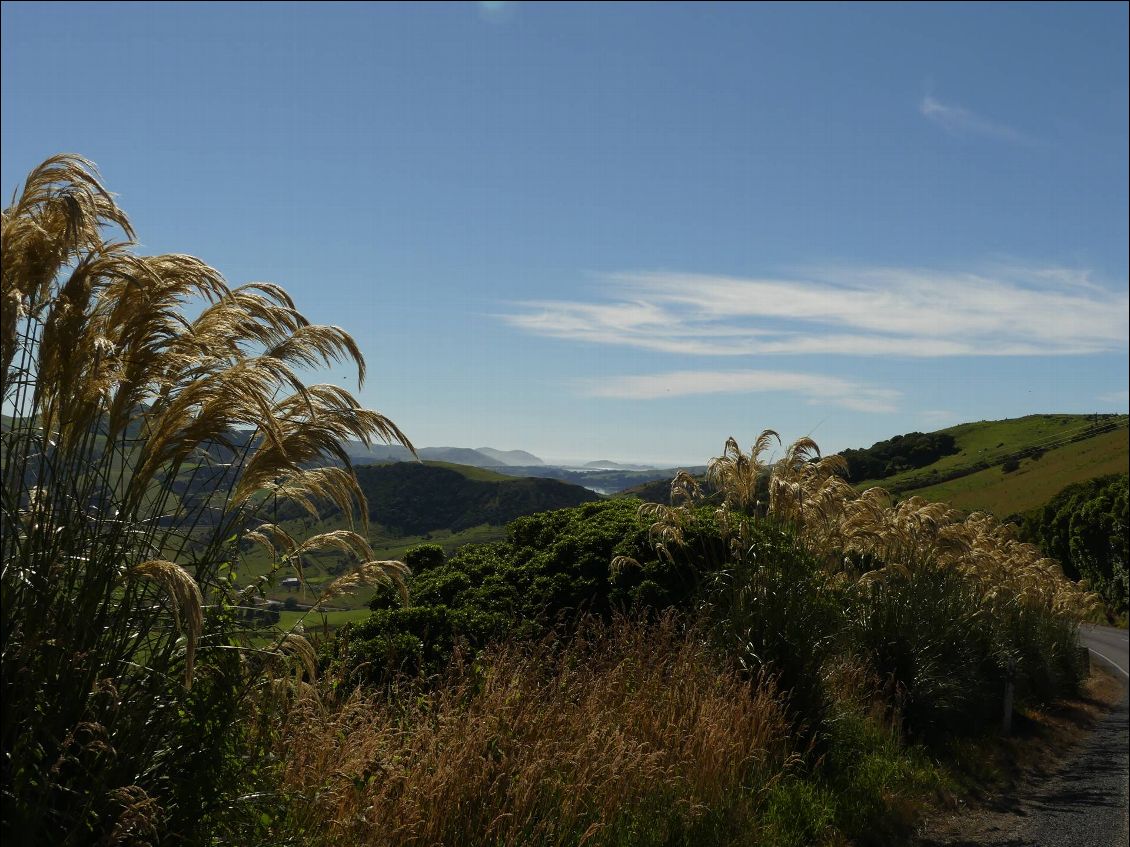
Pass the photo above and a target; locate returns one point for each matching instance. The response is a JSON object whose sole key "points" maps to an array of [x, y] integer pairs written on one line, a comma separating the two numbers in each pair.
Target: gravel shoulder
{"points": [[1070, 785]]}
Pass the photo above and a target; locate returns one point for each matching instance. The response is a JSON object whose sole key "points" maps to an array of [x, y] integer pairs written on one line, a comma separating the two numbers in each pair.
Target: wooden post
{"points": [[1083, 657], [1009, 689]]}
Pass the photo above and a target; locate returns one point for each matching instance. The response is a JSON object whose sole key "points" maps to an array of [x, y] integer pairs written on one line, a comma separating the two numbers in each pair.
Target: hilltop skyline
{"points": [[629, 232]]}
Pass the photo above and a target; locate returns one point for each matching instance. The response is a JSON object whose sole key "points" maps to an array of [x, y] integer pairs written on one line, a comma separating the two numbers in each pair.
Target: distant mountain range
{"points": [[519, 458], [483, 458], [603, 476], [480, 457]]}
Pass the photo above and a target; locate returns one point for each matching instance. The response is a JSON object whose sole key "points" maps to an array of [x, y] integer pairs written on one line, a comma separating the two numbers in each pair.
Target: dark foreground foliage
{"points": [[553, 567], [1087, 528], [150, 411]]}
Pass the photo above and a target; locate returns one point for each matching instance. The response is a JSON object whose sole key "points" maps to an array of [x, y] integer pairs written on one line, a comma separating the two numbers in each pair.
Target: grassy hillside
{"points": [[985, 444], [411, 503], [1052, 451], [1036, 481], [412, 498]]}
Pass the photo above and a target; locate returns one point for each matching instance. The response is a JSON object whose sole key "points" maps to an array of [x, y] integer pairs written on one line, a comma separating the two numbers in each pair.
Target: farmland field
{"points": [[1036, 481]]}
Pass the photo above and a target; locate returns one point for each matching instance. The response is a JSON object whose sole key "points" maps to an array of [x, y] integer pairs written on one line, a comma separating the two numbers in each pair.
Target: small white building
{"points": [[291, 583]]}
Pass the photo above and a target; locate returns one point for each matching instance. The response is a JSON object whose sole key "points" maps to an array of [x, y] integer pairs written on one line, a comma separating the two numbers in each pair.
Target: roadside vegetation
{"points": [[776, 658], [1086, 526], [884, 632]]}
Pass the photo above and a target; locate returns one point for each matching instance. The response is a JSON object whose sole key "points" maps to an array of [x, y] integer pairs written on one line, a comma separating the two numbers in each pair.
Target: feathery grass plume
{"points": [[274, 539], [139, 821], [380, 572], [620, 564], [738, 475], [152, 415], [58, 217], [185, 602], [294, 644]]}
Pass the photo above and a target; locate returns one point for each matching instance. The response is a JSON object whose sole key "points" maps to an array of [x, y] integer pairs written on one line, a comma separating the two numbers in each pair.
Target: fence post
{"points": [[1009, 689], [1083, 661]]}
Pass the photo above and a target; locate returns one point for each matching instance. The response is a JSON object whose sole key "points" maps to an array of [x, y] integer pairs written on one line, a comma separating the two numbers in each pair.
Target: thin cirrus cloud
{"points": [[843, 311], [958, 121], [815, 388]]}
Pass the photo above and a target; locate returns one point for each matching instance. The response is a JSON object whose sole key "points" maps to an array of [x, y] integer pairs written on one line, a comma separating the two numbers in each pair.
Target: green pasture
{"points": [[1036, 481]]}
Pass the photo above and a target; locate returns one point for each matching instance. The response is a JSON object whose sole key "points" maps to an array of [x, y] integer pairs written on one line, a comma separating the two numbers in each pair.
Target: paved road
{"points": [[1096, 795], [1084, 804], [1109, 644]]}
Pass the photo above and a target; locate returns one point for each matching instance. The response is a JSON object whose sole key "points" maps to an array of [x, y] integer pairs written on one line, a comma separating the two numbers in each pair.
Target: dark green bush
{"points": [[773, 610], [1085, 527], [945, 655], [927, 640], [901, 453], [553, 567]]}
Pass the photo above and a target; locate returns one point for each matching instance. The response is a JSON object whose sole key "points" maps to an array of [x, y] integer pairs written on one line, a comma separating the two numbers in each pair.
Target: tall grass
{"points": [[943, 606], [152, 417], [629, 733]]}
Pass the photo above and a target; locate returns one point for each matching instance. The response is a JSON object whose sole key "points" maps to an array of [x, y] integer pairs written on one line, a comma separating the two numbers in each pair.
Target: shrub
{"points": [[773, 611], [929, 639], [424, 556], [1085, 527], [553, 567], [940, 605]]}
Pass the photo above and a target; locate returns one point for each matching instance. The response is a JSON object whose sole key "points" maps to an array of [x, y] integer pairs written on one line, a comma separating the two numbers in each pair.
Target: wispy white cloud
{"points": [[844, 311], [1116, 398], [815, 388], [959, 121]]}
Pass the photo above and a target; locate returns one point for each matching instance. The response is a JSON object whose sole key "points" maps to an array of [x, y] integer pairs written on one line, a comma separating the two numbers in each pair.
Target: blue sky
{"points": [[630, 231]]}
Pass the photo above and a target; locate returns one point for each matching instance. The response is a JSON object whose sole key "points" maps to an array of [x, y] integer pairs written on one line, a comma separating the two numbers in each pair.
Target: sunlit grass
{"points": [[1036, 481], [992, 441]]}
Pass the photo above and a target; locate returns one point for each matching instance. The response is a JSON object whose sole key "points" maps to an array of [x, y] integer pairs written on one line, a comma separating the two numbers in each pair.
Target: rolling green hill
{"points": [[411, 498], [986, 444], [1036, 480], [1050, 451], [413, 502]]}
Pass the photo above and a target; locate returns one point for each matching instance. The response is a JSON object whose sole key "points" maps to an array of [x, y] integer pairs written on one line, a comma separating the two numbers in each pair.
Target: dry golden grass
{"points": [[630, 731]]}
